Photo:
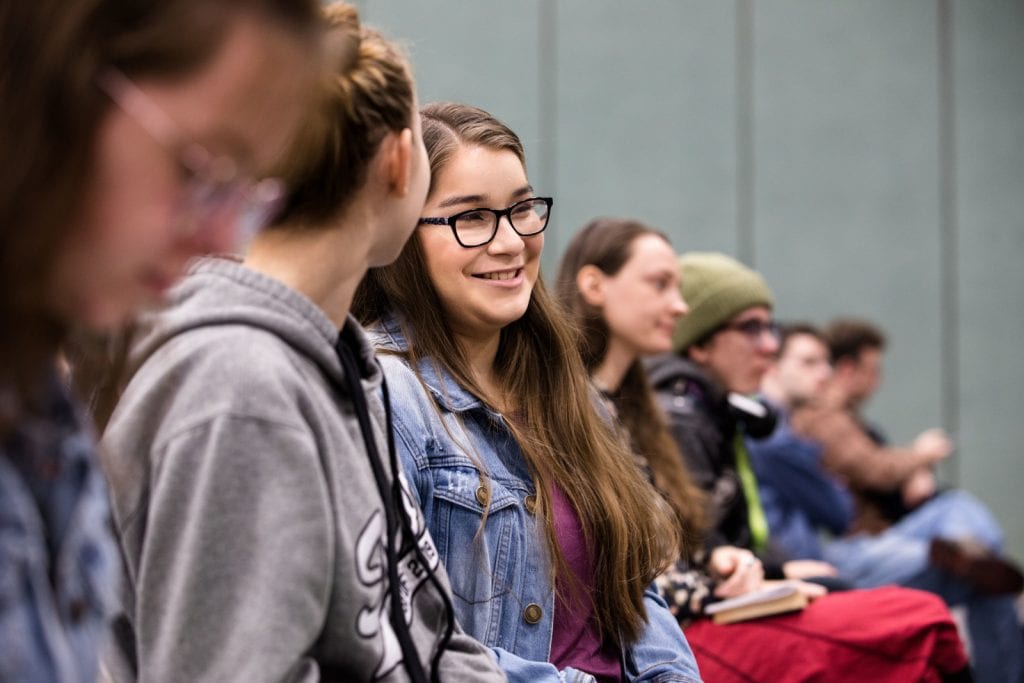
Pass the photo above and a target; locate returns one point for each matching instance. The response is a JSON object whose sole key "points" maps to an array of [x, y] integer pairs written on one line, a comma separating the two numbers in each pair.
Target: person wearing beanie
{"points": [[721, 351], [717, 288]]}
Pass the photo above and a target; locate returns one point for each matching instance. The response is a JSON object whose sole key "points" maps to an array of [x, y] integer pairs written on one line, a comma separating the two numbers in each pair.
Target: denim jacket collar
{"points": [[388, 335]]}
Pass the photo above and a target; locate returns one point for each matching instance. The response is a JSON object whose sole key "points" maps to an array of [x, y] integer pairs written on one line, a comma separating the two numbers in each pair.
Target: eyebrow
{"points": [[479, 198]]}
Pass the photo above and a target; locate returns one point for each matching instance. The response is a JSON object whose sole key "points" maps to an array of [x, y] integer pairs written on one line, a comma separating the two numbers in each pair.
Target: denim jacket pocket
{"points": [[480, 564]]}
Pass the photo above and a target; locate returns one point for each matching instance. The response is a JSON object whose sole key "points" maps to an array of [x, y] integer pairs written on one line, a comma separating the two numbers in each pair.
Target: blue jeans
{"points": [[900, 556]]}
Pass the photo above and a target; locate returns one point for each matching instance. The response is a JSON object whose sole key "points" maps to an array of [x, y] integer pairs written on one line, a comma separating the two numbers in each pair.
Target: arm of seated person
{"points": [[797, 477], [850, 452], [918, 488], [807, 569], [738, 569], [661, 653]]}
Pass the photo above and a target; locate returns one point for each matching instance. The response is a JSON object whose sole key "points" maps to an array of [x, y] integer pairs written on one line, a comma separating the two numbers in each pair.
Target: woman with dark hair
{"points": [[620, 281], [134, 137], [550, 535]]}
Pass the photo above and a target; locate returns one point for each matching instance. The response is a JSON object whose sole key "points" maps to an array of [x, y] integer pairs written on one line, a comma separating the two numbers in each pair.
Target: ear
{"points": [[699, 354], [399, 162], [590, 281]]}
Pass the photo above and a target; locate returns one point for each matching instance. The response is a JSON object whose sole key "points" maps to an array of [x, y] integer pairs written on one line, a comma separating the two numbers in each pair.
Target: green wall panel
{"points": [[646, 117], [486, 52], [988, 48]]}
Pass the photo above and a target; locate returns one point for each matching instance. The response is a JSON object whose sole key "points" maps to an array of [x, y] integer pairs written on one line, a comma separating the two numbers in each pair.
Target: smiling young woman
{"points": [[548, 532]]}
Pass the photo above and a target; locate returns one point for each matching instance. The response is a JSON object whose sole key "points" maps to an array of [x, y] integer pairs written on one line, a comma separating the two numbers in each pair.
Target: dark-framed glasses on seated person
{"points": [[477, 227], [754, 328], [215, 189]]}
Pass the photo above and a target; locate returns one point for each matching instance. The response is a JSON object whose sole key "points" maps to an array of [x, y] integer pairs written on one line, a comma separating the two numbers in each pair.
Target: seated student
{"points": [[800, 497], [104, 111], [620, 281], [550, 535], [922, 546], [720, 352], [266, 530]]}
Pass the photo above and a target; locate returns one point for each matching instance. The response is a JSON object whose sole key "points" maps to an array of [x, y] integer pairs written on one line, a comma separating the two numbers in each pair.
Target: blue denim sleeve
{"points": [[662, 653], [527, 671]]}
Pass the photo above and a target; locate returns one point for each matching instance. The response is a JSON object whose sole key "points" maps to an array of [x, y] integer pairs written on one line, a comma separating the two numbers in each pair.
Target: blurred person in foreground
{"points": [[134, 136]]}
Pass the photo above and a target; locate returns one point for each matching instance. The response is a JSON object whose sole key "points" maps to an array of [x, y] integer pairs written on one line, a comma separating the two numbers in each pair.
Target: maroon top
{"points": [[575, 640]]}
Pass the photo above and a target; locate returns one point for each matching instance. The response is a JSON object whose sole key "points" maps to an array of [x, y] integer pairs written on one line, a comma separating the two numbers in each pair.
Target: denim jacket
{"points": [[58, 561], [461, 458]]}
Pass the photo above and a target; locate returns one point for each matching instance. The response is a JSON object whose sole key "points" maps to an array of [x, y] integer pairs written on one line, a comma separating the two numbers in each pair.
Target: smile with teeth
{"points": [[499, 274]]}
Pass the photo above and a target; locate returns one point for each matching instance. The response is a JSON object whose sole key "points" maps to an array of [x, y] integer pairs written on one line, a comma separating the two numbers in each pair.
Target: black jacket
{"points": [[704, 427]]}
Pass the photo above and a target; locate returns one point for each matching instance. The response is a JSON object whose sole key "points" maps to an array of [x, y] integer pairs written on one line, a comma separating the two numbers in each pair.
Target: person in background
{"points": [[890, 480], [267, 532], [135, 136], [549, 533], [904, 531], [619, 280], [800, 497], [720, 352]]}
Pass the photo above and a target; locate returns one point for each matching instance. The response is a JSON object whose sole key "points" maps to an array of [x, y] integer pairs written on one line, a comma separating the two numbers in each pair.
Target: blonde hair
{"points": [[369, 93], [571, 448]]}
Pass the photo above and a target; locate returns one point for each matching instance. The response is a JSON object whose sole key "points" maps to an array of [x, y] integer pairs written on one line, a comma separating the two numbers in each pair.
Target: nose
{"points": [[506, 239], [768, 342], [679, 305]]}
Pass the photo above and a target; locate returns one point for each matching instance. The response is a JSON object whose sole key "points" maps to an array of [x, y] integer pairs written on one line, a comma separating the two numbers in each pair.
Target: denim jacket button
{"points": [[531, 504], [481, 495], [533, 613]]}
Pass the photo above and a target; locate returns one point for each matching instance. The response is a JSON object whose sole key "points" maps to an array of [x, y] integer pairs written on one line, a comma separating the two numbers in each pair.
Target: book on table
{"points": [[777, 599]]}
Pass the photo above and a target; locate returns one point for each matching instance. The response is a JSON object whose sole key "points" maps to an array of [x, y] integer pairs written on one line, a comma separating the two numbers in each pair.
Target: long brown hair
{"points": [[538, 367], [51, 52], [607, 243]]}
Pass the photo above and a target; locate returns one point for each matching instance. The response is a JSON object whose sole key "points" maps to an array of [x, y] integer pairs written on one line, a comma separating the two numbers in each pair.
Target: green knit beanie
{"points": [[716, 287]]}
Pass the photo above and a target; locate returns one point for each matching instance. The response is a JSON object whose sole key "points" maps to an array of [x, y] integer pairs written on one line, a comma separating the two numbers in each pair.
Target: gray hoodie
{"points": [[247, 510]]}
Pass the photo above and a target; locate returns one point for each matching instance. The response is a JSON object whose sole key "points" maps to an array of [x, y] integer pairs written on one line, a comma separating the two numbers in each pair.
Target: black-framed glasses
{"points": [[754, 328], [477, 227], [215, 187]]}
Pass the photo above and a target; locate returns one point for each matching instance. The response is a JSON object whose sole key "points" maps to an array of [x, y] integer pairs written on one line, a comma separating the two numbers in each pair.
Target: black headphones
{"points": [[757, 417]]}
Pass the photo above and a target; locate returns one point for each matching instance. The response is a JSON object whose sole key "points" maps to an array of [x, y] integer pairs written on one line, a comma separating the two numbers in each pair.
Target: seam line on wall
{"points": [[745, 151]]}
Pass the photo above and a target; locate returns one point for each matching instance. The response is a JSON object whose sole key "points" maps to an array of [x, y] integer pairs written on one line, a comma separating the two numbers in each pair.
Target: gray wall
{"points": [[867, 156]]}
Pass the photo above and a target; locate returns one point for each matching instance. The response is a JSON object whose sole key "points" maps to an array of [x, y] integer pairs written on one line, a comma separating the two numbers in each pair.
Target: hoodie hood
{"points": [[222, 291]]}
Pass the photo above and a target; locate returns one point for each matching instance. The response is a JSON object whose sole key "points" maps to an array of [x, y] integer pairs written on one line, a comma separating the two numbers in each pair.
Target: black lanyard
{"points": [[355, 391]]}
